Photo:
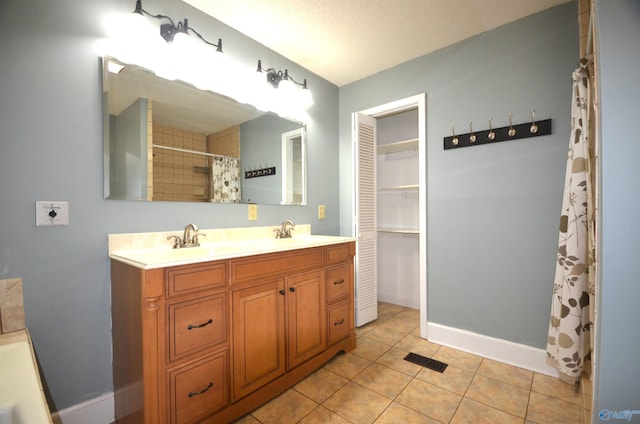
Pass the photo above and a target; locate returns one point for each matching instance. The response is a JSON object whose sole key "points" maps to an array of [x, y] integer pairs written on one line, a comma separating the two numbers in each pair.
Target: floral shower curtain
{"points": [[225, 179], [570, 340]]}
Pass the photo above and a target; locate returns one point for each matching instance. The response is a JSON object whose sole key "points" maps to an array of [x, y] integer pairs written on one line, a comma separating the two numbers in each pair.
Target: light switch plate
{"points": [[252, 212], [50, 213], [321, 212]]}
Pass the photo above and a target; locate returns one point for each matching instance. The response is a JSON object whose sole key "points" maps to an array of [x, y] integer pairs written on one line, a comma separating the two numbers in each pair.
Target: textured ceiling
{"points": [[346, 40]]}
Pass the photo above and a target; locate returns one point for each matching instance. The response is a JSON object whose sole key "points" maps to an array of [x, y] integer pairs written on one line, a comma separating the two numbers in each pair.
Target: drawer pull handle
{"points": [[339, 282], [192, 394], [204, 324], [339, 322]]}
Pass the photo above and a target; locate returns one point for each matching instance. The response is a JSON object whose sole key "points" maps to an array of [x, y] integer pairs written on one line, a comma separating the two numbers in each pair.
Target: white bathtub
{"points": [[22, 400]]}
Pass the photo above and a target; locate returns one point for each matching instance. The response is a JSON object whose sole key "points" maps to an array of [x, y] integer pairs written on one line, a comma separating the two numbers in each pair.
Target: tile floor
{"points": [[374, 384]]}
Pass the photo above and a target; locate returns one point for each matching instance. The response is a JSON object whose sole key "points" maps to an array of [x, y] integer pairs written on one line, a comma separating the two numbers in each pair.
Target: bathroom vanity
{"points": [[209, 334]]}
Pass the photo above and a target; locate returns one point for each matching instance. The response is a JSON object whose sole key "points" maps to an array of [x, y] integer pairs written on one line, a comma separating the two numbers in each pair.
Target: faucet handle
{"points": [[278, 233], [196, 242], [177, 241]]}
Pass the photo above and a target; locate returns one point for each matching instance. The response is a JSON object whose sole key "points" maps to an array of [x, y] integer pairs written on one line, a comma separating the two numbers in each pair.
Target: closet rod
{"points": [[195, 152]]}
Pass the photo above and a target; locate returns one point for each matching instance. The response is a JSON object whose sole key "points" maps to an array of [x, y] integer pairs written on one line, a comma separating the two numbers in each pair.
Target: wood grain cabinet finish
{"points": [[210, 342]]}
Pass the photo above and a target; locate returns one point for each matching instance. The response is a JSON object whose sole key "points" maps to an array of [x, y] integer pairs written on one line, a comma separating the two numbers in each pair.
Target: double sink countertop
{"points": [[153, 250]]}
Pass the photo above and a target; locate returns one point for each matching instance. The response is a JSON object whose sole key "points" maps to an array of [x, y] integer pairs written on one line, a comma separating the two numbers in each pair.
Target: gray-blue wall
{"points": [[617, 385], [51, 149], [492, 210]]}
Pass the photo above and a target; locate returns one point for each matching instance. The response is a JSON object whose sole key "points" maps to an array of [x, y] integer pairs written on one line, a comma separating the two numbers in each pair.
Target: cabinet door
{"points": [[305, 317], [258, 336]]}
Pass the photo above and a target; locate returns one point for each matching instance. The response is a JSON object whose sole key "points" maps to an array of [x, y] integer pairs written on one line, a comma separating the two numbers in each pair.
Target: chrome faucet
{"points": [[285, 230], [189, 238]]}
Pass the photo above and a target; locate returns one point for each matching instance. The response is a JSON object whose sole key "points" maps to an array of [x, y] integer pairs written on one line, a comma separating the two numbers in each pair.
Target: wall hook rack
{"points": [[495, 135]]}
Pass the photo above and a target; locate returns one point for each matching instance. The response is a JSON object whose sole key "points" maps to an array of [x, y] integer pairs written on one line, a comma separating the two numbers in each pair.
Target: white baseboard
{"points": [[99, 410], [511, 353]]}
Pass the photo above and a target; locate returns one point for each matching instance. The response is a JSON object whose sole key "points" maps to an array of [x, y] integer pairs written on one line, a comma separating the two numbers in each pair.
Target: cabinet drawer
{"points": [[274, 265], [340, 252], [339, 282], [197, 324], [198, 389], [338, 321], [190, 279]]}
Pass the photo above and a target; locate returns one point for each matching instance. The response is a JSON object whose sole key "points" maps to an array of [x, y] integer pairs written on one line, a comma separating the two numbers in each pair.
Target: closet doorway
{"points": [[390, 208]]}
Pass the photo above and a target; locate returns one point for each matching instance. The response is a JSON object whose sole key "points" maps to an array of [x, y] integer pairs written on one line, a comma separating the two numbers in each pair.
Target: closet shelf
{"points": [[398, 188], [399, 146], [398, 230]]}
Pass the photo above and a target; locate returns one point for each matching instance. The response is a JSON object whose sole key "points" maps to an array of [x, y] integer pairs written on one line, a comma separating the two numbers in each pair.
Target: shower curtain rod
{"points": [[195, 152]]}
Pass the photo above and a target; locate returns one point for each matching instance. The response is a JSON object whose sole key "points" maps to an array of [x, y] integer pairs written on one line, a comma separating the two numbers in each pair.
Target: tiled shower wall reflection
{"points": [[179, 176]]}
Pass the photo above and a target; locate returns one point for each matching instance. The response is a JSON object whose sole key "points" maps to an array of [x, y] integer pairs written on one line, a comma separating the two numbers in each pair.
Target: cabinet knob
{"points": [[292, 289], [282, 292]]}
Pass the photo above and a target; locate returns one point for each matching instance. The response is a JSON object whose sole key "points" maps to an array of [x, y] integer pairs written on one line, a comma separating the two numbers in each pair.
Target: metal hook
{"points": [[533, 128], [492, 134], [472, 137], [512, 131], [455, 139]]}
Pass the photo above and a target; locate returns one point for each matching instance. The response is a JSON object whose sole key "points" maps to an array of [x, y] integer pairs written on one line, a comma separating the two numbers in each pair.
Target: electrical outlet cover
{"points": [[50, 213]]}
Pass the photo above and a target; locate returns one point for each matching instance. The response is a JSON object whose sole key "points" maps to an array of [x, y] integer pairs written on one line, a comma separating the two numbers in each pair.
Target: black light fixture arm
{"points": [[274, 76], [139, 10], [169, 31]]}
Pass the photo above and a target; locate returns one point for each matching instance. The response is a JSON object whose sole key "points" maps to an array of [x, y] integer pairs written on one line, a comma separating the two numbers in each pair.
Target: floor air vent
{"points": [[423, 361]]}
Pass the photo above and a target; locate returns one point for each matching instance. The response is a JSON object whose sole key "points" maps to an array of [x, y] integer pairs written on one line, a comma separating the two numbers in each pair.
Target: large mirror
{"points": [[167, 140]]}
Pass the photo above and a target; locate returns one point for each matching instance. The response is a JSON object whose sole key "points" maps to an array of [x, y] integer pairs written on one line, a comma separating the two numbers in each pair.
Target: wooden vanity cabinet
{"points": [[210, 342]]}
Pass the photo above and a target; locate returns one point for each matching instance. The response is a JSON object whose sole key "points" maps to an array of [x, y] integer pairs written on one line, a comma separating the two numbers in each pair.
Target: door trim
{"points": [[380, 111]]}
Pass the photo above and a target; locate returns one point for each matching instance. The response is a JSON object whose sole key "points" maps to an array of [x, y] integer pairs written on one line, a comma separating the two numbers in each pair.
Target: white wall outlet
{"points": [[50, 213]]}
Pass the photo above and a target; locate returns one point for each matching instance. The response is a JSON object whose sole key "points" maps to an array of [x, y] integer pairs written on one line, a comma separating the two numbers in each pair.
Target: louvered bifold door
{"points": [[366, 291]]}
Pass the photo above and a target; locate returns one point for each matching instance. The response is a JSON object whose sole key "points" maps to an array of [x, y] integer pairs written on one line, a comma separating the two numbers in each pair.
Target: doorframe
{"points": [[401, 105]]}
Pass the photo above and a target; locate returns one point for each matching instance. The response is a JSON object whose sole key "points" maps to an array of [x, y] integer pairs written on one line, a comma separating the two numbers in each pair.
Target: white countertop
{"points": [[142, 255]]}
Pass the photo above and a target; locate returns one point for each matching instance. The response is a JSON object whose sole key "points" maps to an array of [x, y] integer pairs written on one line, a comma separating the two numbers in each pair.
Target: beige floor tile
{"points": [[410, 315], [430, 400], [499, 395], [474, 412], [506, 373], [347, 365], [247, 419], [415, 344], [554, 387], [361, 331], [386, 335], [397, 413], [397, 323], [458, 359], [357, 404], [369, 348], [394, 358], [389, 308], [453, 379], [289, 407], [322, 415], [383, 380], [320, 385], [549, 410]]}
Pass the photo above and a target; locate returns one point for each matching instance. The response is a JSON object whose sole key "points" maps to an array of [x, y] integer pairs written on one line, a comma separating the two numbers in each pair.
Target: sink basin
{"points": [[166, 256]]}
